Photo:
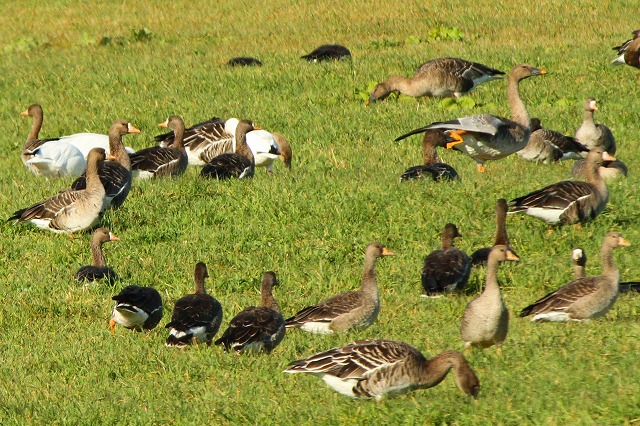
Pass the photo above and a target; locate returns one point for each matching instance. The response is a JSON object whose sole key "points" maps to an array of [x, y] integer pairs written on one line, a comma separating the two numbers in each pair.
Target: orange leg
{"points": [[480, 168], [455, 134], [112, 326]]}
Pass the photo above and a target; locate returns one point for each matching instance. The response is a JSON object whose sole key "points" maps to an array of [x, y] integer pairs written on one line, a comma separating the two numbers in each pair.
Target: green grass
{"points": [[311, 225]]}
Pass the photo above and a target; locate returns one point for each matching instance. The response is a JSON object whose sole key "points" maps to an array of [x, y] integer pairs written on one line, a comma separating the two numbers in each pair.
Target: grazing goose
{"points": [[569, 201], [448, 268], [98, 269], [376, 368], [196, 317], [157, 161], [629, 52], [327, 52], [438, 77], [70, 211], [137, 308], [579, 261], [584, 298], [351, 309], [256, 328], [489, 137], [244, 61], [485, 320], [115, 175], [609, 170], [433, 167], [594, 135], [202, 141], [481, 256], [239, 164], [284, 147]]}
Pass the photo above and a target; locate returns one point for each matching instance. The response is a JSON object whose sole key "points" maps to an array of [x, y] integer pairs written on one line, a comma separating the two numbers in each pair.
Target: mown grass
{"points": [[62, 366]]}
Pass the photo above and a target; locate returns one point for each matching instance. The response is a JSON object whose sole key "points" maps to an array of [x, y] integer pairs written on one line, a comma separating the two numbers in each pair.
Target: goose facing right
{"points": [[98, 269], [629, 52]]}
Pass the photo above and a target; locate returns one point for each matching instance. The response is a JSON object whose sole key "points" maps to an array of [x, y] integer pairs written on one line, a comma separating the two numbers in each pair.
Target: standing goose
{"points": [[157, 161], [137, 308], [327, 52], [629, 52], [481, 256], [432, 166], [579, 261], [98, 269], [240, 164], [376, 368], [357, 308], [438, 77], [256, 328], [70, 211], [584, 298], [489, 137], [448, 268], [594, 135], [196, 317], [568, 202], [485, 321]]}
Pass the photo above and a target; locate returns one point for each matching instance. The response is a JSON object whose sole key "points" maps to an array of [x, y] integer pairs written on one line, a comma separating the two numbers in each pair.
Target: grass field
{"points": [[89, 65]]}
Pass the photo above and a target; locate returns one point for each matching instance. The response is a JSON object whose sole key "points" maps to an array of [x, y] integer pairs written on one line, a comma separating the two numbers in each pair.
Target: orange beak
{"points": [[113, 237], [387, 252], [623, 242], [25, 113], [132, 129], [608, 157], [164, 123], [111, 157]]}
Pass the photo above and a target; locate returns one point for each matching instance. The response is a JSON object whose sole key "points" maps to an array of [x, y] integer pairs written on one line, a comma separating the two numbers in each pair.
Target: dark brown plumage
{"points": [[137, 308], [629, 51], [98, 269], [327, 52], [240, 164], [480, 256], [244, 61], [432, 166], [448, 268]]}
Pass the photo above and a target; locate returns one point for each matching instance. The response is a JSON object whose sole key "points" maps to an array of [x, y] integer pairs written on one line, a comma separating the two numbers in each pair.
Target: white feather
{"points": [[317, 327]]}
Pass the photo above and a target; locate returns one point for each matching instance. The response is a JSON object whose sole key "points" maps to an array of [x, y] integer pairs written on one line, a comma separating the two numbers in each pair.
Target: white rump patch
{"points": [[317, 327], [343, 386], [551, 216]]}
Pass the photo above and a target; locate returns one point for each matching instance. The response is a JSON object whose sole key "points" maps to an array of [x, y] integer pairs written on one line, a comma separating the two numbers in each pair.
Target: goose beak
{"points": [[387, 252], [593, 105], [25, 113], [131, 129], [113, 237], [543, 72], [624, 243], [111, 157], [512, 256], [256, 127], [608, 157], [164, 123]]}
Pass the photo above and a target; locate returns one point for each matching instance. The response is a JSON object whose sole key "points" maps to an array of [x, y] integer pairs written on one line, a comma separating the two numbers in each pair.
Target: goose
{"points": [[377, 368], [351, 309], [629, 51], [138, 308], [609, 170], [70, 211], [448, 268], [432, 166], [489, 137], [196, 317], [481, 256], [548, 146], [579, 262], [438, 77], [584, 298], [485, 320], [264, 146], [244, 61], [594, 135], [98, 269], [239, 164], [286, 155], [327, 52], [256, 328], [115, 175], [568, 202], [156, 161]]}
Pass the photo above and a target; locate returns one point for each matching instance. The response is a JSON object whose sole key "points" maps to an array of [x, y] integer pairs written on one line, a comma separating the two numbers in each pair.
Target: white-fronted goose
{"points": [[481, 256], [203, 141], [584, 298], [327, 52], [579, 262], [438, 77], [98, 269], [448, 268], [196, 317], [485, 321], [256, 328], [239, 164], [137, 308], [351, 309], [157, 161], [376, 368], [70, 211], [569, 201], [629, 51], [244, 61], [594, 135], [609, 170], [432, 166], [548, 145], [263, 145], [489, 137]]}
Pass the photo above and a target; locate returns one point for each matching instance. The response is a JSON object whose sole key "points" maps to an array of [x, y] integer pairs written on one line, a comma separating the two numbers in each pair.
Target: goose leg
{"points": [[112, 326]]}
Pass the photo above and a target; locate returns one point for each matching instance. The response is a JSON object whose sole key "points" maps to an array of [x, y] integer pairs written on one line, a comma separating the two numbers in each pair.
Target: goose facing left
{"points": [[629, 51], [137, 308], [98, 269]]}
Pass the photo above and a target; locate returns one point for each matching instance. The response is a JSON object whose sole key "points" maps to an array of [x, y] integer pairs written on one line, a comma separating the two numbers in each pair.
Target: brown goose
{"points": [[549, 146], [609, 170], [481, 256], [256, 329], [594, 135], [376, 368], [137, 308], [438, 77], [203, 141], [629, 51], [579, 261], [98, 269], [448, 268], [284, 147], [196, 317], [584, 298], [70, 211], [432, 166], [351, 309], [327, 52], [485, 320], [240, 164], [569, 201], [157, 161]]}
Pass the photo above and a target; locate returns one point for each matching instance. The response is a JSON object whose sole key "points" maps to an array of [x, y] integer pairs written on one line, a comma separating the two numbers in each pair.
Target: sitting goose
{"points": [[327, 52], [351, 309], [489, 137], [157, 161], [629, 52], [579, 261], [549, 146], [244, 61], [70, 211], [594, 135], [448, 268], [568, 202], [584, 298], [256, 328], [438, 77], [485, 320], [609, 170], [376, 368], [98, 269], [137, 308], [202, 141], [481, 256], [239, 164], [433, 166]]}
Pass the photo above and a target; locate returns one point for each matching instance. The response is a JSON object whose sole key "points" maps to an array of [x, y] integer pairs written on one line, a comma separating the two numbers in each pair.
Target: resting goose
{"points": [[137, 308], [327, 52], [489, 137], [98, 269], [351, 309], [629, 52], [579, 261], [568, 202], [549, 146], [157, 161], [584, 298], [70, 211], [196, 317], [448, 268], [432, 166], [244, 61], [481, 256], [609, 170], [239, 164], [438, 77], [376, 368], [485, 320], [256, 328], [594, 135]]}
